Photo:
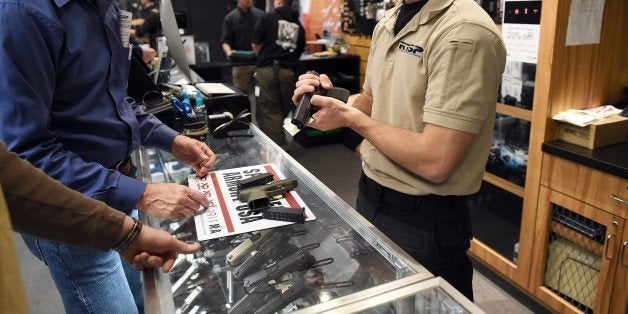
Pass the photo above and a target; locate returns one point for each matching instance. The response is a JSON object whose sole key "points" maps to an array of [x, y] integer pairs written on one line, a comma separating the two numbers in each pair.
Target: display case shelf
{"points": [[504, 184], [519, 113]]}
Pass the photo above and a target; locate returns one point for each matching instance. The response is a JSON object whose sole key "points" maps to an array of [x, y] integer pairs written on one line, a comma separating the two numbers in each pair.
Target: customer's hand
{"points": [[308, 83], [171, 201], [193, 153], [155, 248]]}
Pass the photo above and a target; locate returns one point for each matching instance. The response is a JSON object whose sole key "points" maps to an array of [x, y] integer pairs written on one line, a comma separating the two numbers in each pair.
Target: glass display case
{"points": [[338, 255]]}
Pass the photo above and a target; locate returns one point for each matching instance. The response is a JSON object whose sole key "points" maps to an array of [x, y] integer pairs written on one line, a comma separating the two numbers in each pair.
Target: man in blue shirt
{"points": [[63, 73]]}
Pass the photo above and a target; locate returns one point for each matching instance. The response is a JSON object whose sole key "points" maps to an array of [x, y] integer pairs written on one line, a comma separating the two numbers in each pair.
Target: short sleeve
{"points": [[464, 71]]}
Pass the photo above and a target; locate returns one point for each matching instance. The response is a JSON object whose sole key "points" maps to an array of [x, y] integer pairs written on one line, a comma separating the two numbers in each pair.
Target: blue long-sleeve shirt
{"points": [[63, 73]]}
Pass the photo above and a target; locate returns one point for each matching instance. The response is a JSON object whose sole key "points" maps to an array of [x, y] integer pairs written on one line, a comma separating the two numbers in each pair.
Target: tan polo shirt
{"points": [[443, 68]]}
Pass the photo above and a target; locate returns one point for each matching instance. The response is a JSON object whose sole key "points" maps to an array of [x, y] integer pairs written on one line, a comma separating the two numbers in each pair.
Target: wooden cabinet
{"points": [[576, 77], [591, 186], [578, 248], [576, 212], [619, 297]]}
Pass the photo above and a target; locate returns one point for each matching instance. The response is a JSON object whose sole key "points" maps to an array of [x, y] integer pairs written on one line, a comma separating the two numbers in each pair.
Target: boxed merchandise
{"points": [[609, 131]]}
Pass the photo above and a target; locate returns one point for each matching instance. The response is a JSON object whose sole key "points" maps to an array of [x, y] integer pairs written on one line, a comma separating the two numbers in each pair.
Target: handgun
{"points": [[258, 198], [302, 115], [276, 247], [277, 303], [247, 246], [255, 180], [297, 290], [254, 299], [300, 260]]}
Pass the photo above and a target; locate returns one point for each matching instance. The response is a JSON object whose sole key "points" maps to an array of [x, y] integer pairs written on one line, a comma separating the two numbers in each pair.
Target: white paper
{"points": [[585, 22], [226, 215], [585, 117], [124, 23], [214, 88]]}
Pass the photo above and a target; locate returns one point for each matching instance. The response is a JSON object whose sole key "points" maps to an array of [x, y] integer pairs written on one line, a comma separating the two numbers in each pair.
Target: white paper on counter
{"points": [[585, 22], [226, 215]]}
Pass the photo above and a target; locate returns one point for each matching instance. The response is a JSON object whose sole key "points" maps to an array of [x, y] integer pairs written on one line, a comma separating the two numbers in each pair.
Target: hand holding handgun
{"points": [[303, 113]]}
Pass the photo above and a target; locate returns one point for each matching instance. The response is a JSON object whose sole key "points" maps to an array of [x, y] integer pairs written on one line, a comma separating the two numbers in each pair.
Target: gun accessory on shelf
{"points": [[189, 300], [188, 273], [258, 198], [236, 127]]}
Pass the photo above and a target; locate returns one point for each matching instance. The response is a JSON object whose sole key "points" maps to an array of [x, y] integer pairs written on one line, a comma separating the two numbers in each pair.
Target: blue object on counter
{"points": [[184, 109]]}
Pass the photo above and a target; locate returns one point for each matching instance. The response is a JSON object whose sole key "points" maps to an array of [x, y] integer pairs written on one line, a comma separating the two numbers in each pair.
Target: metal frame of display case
{"points": [[397, 297], [238, 152]]}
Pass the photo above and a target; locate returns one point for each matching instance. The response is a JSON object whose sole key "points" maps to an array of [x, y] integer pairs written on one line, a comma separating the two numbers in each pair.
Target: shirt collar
{"points": [[61, 3], [430, 10]]}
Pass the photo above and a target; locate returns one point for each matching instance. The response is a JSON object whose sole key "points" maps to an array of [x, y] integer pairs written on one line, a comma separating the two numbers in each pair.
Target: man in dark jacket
{"points": [[278, 40], [237, 28]]}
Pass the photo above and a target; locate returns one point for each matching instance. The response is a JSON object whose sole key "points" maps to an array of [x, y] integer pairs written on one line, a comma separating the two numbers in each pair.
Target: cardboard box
{"points": [[609, 131]]}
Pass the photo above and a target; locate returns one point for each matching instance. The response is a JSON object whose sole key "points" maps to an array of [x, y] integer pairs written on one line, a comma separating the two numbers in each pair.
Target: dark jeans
{"points": [[435, 230]]}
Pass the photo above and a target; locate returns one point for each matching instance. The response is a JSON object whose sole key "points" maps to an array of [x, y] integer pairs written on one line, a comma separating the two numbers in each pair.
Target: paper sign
{"points": [[585, 22], [521, 29], [226, 215]]}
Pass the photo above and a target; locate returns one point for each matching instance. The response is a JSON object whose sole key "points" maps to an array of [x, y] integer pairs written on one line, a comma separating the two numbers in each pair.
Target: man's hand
{"points": [[137, 22], [193, 153], [148, 54], [155, 248], [308, 83], [332, 113], [171, 201]]}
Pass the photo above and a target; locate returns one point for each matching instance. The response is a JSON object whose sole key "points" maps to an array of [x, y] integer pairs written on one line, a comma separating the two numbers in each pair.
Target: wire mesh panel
{"points": [[574, 257]]}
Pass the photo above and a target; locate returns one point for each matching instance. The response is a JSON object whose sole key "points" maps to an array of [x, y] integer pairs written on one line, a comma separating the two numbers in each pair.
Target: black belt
{"points": [[125, 167], [376, 190]]}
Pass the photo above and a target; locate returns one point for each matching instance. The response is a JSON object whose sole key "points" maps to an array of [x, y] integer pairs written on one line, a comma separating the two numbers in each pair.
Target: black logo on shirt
{"points": [[410, 49]]}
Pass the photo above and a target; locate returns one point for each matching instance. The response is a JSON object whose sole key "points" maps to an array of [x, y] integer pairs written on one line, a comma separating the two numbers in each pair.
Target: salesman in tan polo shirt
{"points": [[426, 113]]}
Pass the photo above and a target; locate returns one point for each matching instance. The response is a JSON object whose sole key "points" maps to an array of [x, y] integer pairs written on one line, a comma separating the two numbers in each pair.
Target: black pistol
{"points": [[304, 111]]}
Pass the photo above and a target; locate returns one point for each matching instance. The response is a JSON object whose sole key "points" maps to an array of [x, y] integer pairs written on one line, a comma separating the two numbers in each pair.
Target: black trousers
{"points": [[435, 230]]}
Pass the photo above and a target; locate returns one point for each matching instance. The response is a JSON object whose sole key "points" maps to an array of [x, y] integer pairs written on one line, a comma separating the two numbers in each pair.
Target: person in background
{"points": [[64, 110], [148, 24], [426, 112], [237, 28], [41, 206], [278, 40]]}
